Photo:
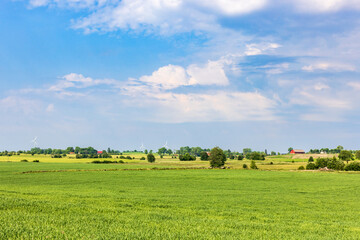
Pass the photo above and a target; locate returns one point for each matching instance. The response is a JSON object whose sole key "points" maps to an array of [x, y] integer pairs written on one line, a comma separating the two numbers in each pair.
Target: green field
{"points": [[86, 202]]}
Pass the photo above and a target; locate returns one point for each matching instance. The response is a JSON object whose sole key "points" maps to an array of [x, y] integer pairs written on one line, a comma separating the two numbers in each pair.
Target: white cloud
{"points": [[19, 104], [74, 80], [257, 49], [354, 85], [315, 6], [320, 86], [325, 66], [50, 108]]}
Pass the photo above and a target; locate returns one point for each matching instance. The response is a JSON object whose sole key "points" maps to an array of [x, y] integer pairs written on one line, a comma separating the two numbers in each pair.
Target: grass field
{"points": [[175, 204]]}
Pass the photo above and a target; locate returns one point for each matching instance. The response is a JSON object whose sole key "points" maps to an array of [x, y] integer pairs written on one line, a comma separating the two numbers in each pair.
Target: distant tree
{"points": [[253, 165], [240, 157], [310, 166], [151, 151], [311, 159], [273, 153], [217, 157], [346, 155], [246, 151], [151, 158], [162, 151], [266, 152], [146, 151], [245, 166], [290, 149], [187, 157], [204, 156], [169, 151]]}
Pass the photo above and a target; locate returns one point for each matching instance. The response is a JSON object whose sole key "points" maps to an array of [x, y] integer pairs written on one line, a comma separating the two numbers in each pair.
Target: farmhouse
{"points": [[297, 151]]}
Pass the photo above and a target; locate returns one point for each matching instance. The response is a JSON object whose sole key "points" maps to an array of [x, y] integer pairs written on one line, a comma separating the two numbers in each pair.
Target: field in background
{"points": [[278, 162]]}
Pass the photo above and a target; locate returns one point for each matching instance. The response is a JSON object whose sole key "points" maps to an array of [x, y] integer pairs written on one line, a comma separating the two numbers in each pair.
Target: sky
{"points": [[260, 74]]}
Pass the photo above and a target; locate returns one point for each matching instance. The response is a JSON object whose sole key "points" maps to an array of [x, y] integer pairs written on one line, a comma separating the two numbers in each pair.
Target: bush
{"points": [[354, 166], [128, 157], [255, 156], [121, 161], [271, 163], [253, 165], [335, 164], [311, 159], [122, 157], [310, 166], [187, 157], [151, 158], [232, 157], [240, 157], [346, 155], [142, 158], [204, 156], [321, 162], [24, 160], [217, 157], [245, 166], [357, 154], [301, 168], [56, 156], [36, 161]]}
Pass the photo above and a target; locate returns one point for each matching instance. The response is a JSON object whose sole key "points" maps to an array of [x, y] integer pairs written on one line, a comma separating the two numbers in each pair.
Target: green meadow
{"points": [[74, 199]]}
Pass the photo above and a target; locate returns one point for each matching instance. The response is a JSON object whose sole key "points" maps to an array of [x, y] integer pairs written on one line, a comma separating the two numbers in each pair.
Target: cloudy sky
{"points": [[265, 74]]}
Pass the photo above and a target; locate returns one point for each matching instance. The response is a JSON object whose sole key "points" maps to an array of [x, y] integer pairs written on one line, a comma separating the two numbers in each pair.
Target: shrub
{"points": [[255, 156], [122, 157], [56, 156], [240, 157], [271, 163], [232, 157], [354, 166], [161, 156], [253, 165], [301, 168], [357, 154], [187, 157], [128, 157], [310, 166], [335, 164], [245, 166], [142, 158], [311, 159], [24, 160], [321, 162], [217, 157], [346, 155], [151, 158], [36, 161], [121, 161], [204, 156]]}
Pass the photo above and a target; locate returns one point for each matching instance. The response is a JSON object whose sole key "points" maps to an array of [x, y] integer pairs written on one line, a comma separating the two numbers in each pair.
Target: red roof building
{"points": [[297, 151], [100, 152]]}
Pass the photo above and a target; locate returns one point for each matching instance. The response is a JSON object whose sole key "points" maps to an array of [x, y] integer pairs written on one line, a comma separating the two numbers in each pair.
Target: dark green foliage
{"points": [[253, 165], [311, 159], [245, 166], [56, 156], [151, 158], [142, 158], [121, 161], [353, 166], [290, 149], [301, 168], [335, 164], [232, 157], [346, 155], [36, 161], [310, 166], [161, 156], [255, 156], [321, 162], [271, 163], [357, 154], [204, 156], [217, 157], [187, 157], [24, 160], [103, 162], [128, 157], [240, 157]]}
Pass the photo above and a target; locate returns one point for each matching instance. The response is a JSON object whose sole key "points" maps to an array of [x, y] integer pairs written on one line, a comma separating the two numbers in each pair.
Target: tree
{"points": [[311, 159], [162, 151], [240, 157], [290, 149], [204, 156], [246, 151], [253, 165], [346, 155], [146, 151], [217, 157], [151, 158]]}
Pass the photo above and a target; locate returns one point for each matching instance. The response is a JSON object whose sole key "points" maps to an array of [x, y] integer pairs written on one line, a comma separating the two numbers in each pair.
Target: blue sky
{"points": [[265, 74]]}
